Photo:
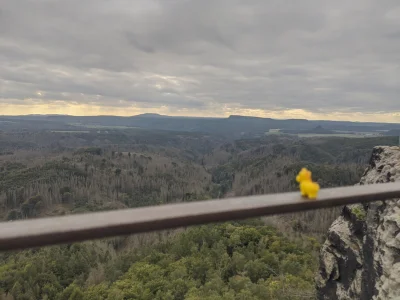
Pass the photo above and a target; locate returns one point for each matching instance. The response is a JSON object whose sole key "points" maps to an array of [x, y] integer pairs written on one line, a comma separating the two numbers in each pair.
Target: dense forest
{"points": [[45, 173], [247, 260]]}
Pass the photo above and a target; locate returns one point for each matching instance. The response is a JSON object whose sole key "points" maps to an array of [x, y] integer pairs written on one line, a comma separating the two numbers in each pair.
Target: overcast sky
{"points": [[311, 58]]}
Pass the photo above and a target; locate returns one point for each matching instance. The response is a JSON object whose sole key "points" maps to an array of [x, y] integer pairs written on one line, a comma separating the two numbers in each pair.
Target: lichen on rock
{"points": [[361, 257], [359, 212]]}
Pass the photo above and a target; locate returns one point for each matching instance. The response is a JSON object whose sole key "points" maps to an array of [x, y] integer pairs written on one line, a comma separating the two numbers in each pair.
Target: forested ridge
{"points": [[63, 173]]}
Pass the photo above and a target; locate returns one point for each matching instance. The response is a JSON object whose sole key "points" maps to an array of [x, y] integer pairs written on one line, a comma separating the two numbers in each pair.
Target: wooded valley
{"points": [[46, 173]]}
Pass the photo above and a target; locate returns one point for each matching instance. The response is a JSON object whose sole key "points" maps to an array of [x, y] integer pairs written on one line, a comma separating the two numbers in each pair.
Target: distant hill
{"points": [[149, 115], [321, 130], [233, 126], [317, 130]]}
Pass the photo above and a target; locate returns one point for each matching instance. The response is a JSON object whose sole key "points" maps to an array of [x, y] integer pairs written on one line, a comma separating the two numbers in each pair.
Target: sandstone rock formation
{"points": [[361, 257]]}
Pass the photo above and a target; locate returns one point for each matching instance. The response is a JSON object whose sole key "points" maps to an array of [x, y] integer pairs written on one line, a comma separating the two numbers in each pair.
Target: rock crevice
{"points": [[361, 257]]}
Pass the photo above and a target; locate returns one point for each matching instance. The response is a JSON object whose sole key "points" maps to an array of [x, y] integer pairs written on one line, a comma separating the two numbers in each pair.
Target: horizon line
{"points": [[195, 117]]}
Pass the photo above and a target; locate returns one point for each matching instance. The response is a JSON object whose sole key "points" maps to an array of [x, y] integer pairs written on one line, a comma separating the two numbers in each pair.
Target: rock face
{"points": [[361, 257]]}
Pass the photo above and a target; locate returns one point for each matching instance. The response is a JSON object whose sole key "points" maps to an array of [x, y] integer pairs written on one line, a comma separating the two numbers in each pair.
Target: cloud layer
{"points": [[312, 58]]}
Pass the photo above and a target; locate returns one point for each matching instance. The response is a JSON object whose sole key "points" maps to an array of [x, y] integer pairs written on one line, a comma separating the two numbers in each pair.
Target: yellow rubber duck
{"points": [[308, 188]]}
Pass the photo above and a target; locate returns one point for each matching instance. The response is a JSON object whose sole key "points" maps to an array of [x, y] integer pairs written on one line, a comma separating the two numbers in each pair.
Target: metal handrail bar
{"points": [[74, 228]]}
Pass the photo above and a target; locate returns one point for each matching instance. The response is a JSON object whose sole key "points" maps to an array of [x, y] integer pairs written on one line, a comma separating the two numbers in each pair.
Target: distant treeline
{"points": [[232, 127]]}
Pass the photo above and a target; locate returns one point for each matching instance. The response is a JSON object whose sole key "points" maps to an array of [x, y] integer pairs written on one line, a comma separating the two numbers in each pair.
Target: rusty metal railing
{"points": [[74, 228]]}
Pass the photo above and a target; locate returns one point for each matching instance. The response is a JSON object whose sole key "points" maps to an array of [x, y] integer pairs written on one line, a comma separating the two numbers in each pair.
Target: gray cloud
{"points": [[274, 55]]}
